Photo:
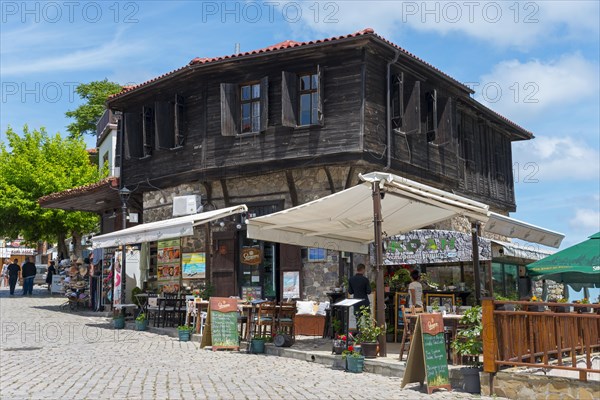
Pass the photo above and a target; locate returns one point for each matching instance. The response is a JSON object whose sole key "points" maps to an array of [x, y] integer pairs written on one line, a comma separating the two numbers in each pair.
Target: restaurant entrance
{"points": [[258, 269]]}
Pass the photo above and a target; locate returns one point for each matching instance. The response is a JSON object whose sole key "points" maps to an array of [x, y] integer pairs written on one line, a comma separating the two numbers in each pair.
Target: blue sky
{"points": [[536, 63]]}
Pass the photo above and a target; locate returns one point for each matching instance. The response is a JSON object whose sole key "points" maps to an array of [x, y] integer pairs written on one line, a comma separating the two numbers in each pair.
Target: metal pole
{"points": [[380, 295], [123, 256], [476, 272]]}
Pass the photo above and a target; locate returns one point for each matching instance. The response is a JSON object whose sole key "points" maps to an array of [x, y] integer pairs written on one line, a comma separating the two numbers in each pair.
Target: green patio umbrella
{"points": [[578, 264]]}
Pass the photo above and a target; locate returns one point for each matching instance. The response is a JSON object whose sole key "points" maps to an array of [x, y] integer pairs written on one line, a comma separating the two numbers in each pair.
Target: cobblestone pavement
{"points": [[48, 353]]}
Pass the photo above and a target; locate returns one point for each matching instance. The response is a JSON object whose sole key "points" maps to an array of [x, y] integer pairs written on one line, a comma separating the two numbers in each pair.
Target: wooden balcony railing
{"points": [[541, 339]]}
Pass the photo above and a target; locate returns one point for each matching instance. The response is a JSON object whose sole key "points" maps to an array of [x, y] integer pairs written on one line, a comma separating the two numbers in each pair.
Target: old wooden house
{"points": [[292, 122]]}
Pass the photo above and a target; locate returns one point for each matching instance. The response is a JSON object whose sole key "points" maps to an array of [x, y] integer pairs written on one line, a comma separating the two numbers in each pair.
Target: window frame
{"points": [[314, 108], [252, 101]]}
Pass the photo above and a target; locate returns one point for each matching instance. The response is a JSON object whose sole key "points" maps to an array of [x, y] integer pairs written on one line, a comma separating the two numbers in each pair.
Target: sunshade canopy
{"points": [[513, 228], [160, 230], [344, 221], [576, 264]]}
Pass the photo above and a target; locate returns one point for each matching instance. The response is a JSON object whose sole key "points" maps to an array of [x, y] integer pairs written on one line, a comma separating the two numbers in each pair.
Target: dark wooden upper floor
{"points": [[351, 100]]}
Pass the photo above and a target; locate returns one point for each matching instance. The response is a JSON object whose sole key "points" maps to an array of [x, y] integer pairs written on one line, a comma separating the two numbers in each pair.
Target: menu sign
{"points": [[427, 355], [222, 323]]}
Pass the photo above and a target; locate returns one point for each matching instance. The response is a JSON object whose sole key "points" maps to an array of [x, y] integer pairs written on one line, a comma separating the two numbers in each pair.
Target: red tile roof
{"points": [[111, 181], [289, 44]]}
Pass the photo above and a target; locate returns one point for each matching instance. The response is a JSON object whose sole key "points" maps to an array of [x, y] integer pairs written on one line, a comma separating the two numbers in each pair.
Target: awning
{"points": [[515, 253], [167, 229], [513, 228], [344, 221]]}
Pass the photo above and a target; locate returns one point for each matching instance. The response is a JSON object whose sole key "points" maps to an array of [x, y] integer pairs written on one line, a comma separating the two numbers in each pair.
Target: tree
{"points": [[86, 115], [34, 165]]}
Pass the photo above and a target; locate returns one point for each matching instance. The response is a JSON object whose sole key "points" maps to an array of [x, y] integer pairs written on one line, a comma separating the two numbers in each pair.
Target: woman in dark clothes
{"points": [[51, 272]]}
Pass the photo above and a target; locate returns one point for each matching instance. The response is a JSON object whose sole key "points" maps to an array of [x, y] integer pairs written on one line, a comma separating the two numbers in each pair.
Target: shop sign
{"points": [[251, 256], [433, 246]]}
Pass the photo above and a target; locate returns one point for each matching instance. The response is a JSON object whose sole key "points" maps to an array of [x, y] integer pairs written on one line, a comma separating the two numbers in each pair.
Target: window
{"points": [[148, 131], [302, 98], [316, 254], [133, 134], [244, 108], [309, 99], [430, 114], [250, 100], [168, 123], [397, 101]]}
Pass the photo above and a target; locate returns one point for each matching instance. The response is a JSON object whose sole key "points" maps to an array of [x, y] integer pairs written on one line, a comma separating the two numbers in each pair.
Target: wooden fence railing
{"points": [[537, 338]]}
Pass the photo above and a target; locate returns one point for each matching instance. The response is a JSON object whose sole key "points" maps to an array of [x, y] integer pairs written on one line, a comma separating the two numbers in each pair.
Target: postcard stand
{"points": [[346, 304]]}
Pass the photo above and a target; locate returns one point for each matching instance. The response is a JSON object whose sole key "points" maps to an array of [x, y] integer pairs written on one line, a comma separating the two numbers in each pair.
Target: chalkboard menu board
{"points": [[222, 320], [427, 355]]}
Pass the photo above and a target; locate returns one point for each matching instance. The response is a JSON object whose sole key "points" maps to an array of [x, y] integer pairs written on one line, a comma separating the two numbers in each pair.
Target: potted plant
{"points": [[400, 279], [355, 361], [257, 344], [561, 309], [504, 307], [580, 310], [184, 332], [118, 321], [339, 344], [141, 322], [368, 333], [389, 334], [535, 307], [469, 344]]}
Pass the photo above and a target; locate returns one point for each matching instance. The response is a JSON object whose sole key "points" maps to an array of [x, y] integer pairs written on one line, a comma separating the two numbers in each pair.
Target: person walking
{"points": [[50, 274], [28, 273], [13, 275], [4, 276], [360, 287], [415, 290]]}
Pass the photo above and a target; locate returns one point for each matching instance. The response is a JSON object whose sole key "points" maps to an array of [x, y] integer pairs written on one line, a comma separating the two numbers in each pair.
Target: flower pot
{"points": [[535, 308], [184, 335], [141, 325], [337, 350], [505, 307], [283, 340], [355, 364], [470, 381], [582, 310], [369, 350], [119, 322], [561, 309], [257, 346]]}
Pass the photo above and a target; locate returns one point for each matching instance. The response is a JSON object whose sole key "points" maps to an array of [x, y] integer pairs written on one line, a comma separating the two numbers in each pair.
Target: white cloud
{"points": [[65, 56], [553, 159], [523, 24], [586, 220], [522, 90]]}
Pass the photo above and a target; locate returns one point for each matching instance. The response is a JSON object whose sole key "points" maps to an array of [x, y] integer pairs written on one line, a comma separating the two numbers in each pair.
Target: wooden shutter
{"points": [[397, 100], [431, 117], [133, 135], [264, 103], [163, 118], [411, 121], [121, 138], [321, 94], [179, 128], [445, 125], [148, 131], [289, 99], [230, 109]]}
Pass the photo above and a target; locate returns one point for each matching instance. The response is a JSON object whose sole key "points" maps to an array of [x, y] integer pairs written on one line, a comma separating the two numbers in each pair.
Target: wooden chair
{"points": [[408, 328], [265, 318], [285, 318]]}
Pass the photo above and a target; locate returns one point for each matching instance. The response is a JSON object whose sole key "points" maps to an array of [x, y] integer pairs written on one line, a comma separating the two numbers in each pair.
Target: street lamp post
{"points": [[124, 194]]}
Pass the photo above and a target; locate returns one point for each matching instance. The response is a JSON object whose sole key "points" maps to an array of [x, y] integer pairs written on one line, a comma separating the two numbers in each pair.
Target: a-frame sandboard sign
{"points": [[427, 356], [220, 330]]}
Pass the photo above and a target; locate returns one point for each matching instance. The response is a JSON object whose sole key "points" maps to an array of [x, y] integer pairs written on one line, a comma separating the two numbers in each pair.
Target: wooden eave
{"points": [[96, 197]]}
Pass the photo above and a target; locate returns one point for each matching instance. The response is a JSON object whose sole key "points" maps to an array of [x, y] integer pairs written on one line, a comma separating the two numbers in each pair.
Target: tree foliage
{"points": [[34, 165], [86, 115]]}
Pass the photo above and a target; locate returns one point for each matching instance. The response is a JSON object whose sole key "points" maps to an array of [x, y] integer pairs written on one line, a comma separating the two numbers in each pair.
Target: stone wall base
{"points": [[519, 386]]}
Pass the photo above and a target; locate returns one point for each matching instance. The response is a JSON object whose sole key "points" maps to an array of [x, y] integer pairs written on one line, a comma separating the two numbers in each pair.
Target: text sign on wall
{"points": [[429, 246]]}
